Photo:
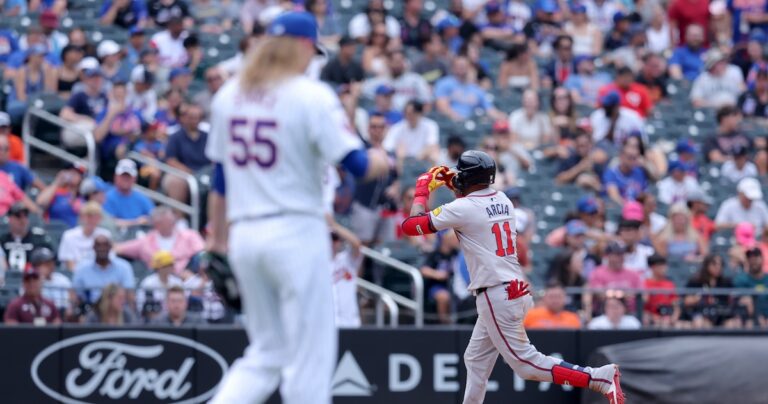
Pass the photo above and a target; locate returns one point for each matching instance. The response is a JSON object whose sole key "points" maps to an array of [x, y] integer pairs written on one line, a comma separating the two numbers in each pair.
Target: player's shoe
{"points": [[614, 394]]}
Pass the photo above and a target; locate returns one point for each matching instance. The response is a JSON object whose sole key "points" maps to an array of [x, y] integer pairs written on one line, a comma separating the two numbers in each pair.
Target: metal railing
{"points": [[193, 208], [417, 303], [388, 298], [31, 141]]}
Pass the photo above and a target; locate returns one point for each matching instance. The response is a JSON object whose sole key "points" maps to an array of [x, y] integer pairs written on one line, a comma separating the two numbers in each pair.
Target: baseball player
{"points": [[484, 221], [273, 131]]}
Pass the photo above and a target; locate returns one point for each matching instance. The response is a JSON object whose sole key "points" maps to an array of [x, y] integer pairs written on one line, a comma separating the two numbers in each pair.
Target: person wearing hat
{"points": [[719, 85], [24, 178], [141, 94], [170, 41], [21, 239], [738, 166], [57, 287], [153, 288], [136, 43], [587, 37], [754, 103], [661, 309], [343, 68], [632, 95], [110, 57], [699, 202], [755, 278], [127, 14], [612, 274], [128, 206], [687, 60], [76, 244], [677, 185], [383, 104], [15, 144], [86, 103], [35, 77], [747, 206], [60, 199], [31, 307], [612, 115], [497, 32], [179, 79], [619, 35]]}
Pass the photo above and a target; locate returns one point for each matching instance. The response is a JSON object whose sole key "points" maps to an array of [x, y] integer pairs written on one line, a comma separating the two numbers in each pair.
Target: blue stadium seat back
{"points": [[13, 279]]}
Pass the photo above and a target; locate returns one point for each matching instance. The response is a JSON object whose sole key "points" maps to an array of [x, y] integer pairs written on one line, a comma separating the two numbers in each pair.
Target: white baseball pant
{"points": [[283, 269], [499, 330]]}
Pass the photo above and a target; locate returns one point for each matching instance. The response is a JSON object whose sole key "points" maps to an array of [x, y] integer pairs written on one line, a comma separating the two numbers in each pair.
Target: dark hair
{"points": [[377, 115], [191, 41], [516, 50], [640, 147], [559, 271], [704, 276], [559, 40], [418, 106], [570, 111], [456, 140], [624, 70], [727, 110], [69, 49]]}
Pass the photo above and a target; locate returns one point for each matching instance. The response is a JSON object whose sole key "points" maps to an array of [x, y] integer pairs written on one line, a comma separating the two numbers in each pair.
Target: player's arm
{"points": [[367, 164], [420, 223], [217, 212]]}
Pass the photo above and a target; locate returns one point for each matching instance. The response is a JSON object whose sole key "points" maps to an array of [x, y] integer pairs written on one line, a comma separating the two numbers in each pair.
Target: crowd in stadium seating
{"points": [[630, 135]]}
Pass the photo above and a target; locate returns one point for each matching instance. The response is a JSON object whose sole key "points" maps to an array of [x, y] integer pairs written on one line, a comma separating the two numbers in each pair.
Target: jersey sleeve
{"points": [[331, 132], [216, 146], [447, 216]]}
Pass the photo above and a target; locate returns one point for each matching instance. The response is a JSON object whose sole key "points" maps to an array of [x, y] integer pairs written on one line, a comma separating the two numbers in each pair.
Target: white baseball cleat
{"points": [[614, 394]]}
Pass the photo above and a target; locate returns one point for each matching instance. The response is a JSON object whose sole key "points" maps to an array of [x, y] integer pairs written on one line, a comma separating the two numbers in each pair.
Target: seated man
{"points": [[551, 314], [458, 96], [83, 107], [154, 287], [76, 244], [186, 151], [128, 206], [32, 307], [21, 175], [437, 271], [176, 313], [21, 239], [627, 180], [92, 276]]}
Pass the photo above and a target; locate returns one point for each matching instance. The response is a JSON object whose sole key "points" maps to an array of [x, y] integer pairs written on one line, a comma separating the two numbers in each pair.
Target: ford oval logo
{"points": [[129, 365]]}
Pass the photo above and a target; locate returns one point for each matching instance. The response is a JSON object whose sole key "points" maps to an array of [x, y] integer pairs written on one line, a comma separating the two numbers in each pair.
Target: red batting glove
{"points": [[517, 289], [428, 182]]}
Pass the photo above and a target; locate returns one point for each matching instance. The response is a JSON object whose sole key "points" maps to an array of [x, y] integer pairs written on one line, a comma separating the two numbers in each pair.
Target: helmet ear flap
{"points": [[457, 181]]}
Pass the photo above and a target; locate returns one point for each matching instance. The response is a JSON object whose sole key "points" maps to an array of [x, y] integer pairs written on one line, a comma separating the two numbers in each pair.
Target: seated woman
{"points": [[68, 74], [111, 308], [678, 239], [35, 77], [519, 70], [707, 310], [60, 199]]}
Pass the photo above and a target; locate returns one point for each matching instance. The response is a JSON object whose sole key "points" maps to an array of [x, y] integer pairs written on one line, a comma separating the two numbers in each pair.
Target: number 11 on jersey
{"points": [[500, 250]]}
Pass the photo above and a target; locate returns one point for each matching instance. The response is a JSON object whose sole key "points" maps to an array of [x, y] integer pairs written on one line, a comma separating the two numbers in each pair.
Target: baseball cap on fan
{"points": [[750, 187], [126, 166], [296, 24]]}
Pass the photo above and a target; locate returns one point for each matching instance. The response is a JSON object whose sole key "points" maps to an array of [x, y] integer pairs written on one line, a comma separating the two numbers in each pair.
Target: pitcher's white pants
{"points": [[282, 265]]}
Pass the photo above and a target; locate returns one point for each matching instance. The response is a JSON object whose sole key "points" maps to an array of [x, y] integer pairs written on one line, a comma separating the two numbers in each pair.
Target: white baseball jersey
{"points": [[345, 289], [275, 145], [484, 221]]}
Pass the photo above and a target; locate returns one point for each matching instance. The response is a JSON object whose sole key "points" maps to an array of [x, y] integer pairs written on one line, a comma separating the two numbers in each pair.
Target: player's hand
{"points": [[216, 267], [431, 180]]}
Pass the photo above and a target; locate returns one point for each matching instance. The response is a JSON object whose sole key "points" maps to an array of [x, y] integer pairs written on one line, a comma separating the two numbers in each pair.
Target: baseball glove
{"points": [[216, 266]]}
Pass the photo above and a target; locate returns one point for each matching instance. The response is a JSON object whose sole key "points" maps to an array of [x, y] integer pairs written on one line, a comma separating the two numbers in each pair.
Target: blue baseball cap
{"points": [[575, 227], [758, 35], [136, 31], [579, 9], [448, 22], [547, 6], [586, 204], [581, 58], [178, 71], [492, 7], [385, 90], [297, 24], [684, 146], [619, 16], [612, 98], [675, 165]]}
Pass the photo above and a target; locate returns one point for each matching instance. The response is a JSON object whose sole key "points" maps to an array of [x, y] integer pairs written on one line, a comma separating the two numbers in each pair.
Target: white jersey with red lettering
{"points": [[275, 145], [345, 265], [485, 224]]}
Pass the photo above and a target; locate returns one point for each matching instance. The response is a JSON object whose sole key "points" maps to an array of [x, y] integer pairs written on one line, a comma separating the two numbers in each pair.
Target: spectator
{"points": [[76, 245], [31, 307], [632, 95], [11, 194], [110, 56], [699, 203], [645, 210], [530, 126], [168, 111], [562, 114], [678, 239], [685, 13], [15, 145], [91, 276], [135, 46], [200, 289], [437, 271], [630, 53], [744, 234], [35, 36], [20, 239], [211, 16], [677, 185], [152, 290], [186, 151], [687, 155], [127, 205], [615, 317], [745, 19], [583, 165], [327, 22], [125, 14], [142, 97], [371, 197], [374, 58], [68, 74], [719, 85], [164, 236], [660, 309], [433, 65], [383, 105], [618, 36], [346, 264], [562, 65], [739, 166], [627, 180], [60, 199], [755, 278], [519, 14], [448, 31], [754, 103], [586, 82], [653, 76], [111, 308], [177, 313], [718, 147], [56, 286], [587, 37], [416, 30], [150, 145], [32, 79], [551, 314], [747, 206], [117, 127], [21, 175], [589, 211], [601, 12], [458, 97], [613, 124], [53, 39], [414, 137], [170, 42], [166, 13], [613, 273], [704, 310], [343, 68], [13, 8], [449, 156], [687, 61], [518, 70], [496, 32], [406, 84], [84, 106], [657, 32], [249, 14], [566, 270], [374, 13], [180, 79], [752, 59], [635, 253]]}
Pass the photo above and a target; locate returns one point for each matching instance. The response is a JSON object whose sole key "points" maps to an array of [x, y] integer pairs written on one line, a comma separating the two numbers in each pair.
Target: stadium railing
{"points": [[417, 303], [30, 141]]}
